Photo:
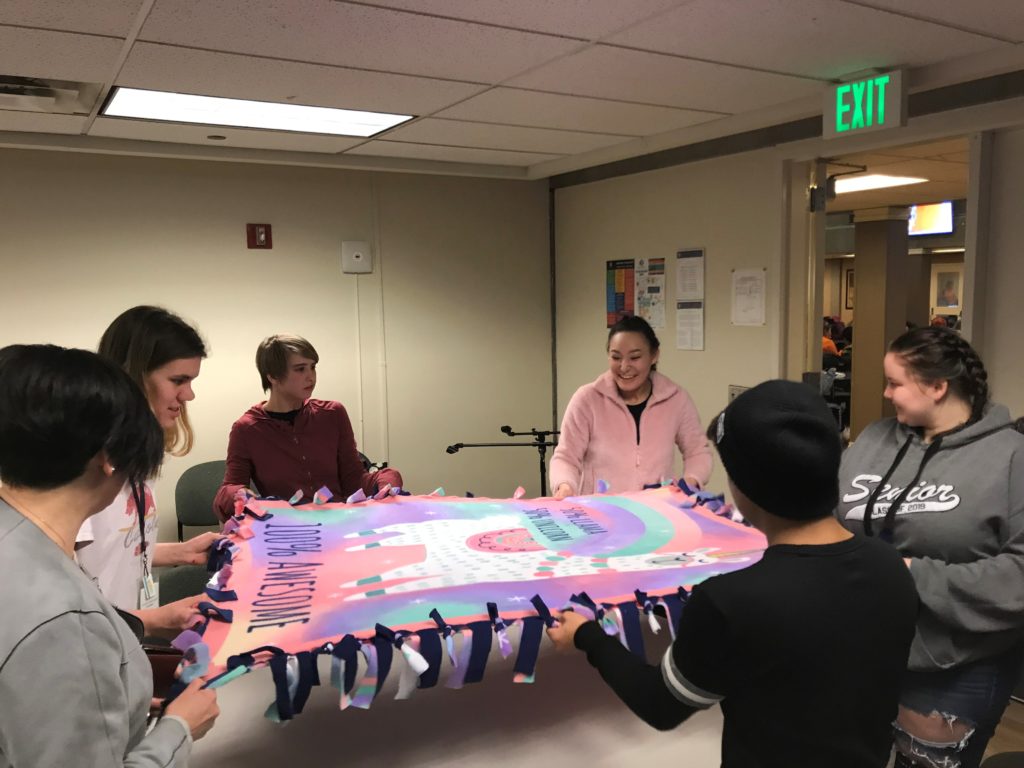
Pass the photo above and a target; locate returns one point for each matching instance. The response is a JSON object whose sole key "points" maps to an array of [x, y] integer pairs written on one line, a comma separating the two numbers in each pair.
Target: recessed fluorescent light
{"points": [[947, 250], [240, 113], [873, 181]]}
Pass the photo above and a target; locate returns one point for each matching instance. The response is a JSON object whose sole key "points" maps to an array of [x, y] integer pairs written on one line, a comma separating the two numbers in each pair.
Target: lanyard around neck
{"points": [[139, 495]]}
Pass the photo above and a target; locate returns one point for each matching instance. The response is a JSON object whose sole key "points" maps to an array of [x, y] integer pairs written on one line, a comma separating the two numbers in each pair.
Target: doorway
{"points": [[911, 274]]}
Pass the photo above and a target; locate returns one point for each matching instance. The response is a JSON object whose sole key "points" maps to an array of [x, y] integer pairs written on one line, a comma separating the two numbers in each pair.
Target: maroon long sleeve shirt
{"points": [[280, 458]]}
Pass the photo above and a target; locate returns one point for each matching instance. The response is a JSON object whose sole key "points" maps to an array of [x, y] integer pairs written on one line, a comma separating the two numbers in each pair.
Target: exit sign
{"points": [[868, 104]]}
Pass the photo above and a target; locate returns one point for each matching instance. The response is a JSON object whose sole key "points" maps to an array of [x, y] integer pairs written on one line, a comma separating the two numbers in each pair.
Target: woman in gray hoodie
{"points": [[75, 685], [944, 481]]}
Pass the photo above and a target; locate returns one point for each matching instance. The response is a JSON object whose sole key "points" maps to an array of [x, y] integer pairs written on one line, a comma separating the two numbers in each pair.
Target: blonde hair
{"points": [[144, 338], [272, 356]]}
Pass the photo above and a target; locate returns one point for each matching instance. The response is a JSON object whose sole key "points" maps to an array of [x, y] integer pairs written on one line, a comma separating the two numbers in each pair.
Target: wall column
{"points": [[879, 307]]}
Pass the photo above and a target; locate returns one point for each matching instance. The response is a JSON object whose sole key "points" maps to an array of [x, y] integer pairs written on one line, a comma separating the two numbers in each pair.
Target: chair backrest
{"points": [[193, 495]]}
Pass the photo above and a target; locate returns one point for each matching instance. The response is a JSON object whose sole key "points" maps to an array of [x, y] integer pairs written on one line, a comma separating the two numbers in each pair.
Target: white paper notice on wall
{"points": [[748, 296], [690, 275], [690, 325]]}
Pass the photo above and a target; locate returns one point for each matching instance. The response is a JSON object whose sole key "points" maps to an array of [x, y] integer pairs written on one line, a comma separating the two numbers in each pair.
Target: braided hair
{"points": [[940, 354]]}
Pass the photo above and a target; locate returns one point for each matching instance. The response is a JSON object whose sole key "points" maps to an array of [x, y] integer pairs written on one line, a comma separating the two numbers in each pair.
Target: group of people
{"points": [[887, 606], [81, 436]]}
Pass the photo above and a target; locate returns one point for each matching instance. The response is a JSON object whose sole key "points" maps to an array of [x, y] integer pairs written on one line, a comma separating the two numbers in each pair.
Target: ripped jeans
{"points": [[947, 717]]}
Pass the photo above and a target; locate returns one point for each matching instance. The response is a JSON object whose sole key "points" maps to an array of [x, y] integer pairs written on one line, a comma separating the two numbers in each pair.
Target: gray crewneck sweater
{"points": [[75, 685], [962, 524]]}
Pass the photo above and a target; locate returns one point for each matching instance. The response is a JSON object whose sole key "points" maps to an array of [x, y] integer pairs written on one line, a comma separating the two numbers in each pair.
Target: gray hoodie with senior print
{"points": [[961, 522]]}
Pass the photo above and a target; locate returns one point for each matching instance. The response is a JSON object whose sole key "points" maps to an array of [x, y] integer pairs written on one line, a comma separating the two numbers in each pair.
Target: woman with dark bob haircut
{"points": [[75, 685]]}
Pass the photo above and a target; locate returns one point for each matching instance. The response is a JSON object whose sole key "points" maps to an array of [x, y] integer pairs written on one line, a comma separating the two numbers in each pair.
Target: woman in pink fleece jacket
{"points": [[623, 427]]}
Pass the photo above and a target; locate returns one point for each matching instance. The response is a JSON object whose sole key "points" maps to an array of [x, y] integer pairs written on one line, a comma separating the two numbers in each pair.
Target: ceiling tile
{"points": [[490, 136], [176, 133], [449, 154], [57, 55], [618, 73], [358, 36], [552, 110], [933, 170], [815, 38], [111, 17], [164, 67], [932, 149], [870, 159], [1002, 18], [588, 19], [39, 122]]}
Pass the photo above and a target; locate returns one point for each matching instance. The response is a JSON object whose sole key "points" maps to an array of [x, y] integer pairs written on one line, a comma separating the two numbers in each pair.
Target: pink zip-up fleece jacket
{"points": [[598, 438]]}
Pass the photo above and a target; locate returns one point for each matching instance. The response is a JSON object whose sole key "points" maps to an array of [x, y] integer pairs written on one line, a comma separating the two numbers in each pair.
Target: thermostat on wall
{"points": [[356, 257]]}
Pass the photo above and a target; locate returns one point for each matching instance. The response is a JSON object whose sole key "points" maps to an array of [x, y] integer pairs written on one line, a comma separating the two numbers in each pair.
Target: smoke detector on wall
{"points": [[58, 97]]}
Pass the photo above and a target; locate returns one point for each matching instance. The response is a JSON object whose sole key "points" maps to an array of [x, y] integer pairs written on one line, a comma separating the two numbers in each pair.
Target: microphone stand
{"points": [[540, 441]]}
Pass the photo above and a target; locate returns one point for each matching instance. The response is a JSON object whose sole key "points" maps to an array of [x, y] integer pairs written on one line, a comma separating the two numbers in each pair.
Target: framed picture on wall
{"points": [[947, 290], [848, 301]]}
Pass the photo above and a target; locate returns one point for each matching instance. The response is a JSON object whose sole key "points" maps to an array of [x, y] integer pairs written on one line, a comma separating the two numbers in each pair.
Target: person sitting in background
{"points": [[846, 354], [804, 649], [828, 346], [623, 427], [75, 684], [290, 442]]}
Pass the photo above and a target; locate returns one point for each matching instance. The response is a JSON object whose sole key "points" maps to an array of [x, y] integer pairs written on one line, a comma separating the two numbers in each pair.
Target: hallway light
{"points": [[241, 113], [873, 181]]}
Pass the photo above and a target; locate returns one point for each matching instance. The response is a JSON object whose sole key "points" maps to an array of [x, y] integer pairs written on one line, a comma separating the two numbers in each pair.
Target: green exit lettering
{"points": [[861, 104]]}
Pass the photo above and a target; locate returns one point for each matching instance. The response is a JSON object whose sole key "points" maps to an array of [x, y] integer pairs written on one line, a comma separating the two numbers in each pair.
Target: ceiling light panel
{"points": [[873, 181], [212, 110]]}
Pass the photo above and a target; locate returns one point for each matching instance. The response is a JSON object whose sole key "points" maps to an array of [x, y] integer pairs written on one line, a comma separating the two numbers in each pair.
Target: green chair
{"points": [[181, 581], [194, 493]]}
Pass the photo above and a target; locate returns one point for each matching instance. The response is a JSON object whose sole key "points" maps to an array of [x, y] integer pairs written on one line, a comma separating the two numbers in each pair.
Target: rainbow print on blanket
{"points": [[437, 579]]}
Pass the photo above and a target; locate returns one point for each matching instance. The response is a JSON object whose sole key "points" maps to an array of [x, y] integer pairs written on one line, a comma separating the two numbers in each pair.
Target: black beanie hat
{"points": [[780, 446]]}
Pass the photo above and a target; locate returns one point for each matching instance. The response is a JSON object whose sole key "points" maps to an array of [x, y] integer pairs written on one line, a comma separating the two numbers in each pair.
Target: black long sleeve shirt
{"points": [[805, 651]]}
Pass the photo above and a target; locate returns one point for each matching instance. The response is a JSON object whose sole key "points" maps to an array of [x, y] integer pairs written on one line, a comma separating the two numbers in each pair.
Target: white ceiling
{"points": [[506, 86], [944, 163]]}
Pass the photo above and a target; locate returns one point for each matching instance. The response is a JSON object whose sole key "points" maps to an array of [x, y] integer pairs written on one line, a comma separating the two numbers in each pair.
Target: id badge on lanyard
{"points": [[149, 588]]}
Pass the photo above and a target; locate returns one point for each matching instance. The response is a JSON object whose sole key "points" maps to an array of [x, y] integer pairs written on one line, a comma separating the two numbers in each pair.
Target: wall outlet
{"points": [[735, 390], [356, 257]]}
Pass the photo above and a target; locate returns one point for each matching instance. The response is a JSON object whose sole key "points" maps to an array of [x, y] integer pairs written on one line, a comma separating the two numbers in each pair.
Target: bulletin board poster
{"points": [[650, 291], [620, 289]]}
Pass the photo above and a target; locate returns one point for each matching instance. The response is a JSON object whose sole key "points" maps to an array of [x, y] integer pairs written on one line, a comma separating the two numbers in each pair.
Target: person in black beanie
{"points": [[805, 649]]}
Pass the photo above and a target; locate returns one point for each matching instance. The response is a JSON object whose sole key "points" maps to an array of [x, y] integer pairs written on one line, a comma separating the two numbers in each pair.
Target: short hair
{"points": [[60, 407], [144, 338], [272, 356]]}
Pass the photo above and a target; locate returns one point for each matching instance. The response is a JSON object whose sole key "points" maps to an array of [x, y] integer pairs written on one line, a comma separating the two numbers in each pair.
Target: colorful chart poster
{"points": [[650, 291], [620, 290]]}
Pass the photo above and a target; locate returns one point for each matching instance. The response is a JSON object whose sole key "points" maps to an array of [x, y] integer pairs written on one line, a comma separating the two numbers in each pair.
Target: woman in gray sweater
{"points": [[944, 481], [75, 685]]}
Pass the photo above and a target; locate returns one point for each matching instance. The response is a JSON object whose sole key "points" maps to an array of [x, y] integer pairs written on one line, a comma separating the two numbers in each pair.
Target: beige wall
{"points": [[452, 336], [1003, 351], [730, 207], [835, 288]]}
